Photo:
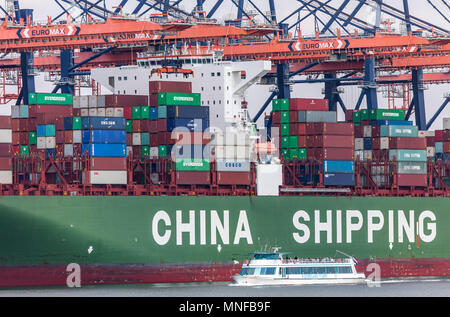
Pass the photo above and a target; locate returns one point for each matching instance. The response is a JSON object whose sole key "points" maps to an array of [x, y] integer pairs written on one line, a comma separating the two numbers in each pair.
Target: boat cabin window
{"points": [[267, 270], [267, 256], [248, 271], [319, 270]]}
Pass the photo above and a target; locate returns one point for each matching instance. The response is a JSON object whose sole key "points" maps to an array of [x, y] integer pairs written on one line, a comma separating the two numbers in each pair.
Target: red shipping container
{"points": [[297, 129], [154, 139], [445, 135], [293, 116], [331, 154], [153, 126], [5, 163], [233, 178], [59, 124], [155, 87], [324, 128], [24, 138], [15, 138], [59, 137], [193, 178], [136, 151], [26, 125], [438, 135], [162, 125], [76, 112], [64, 111], [77, 149], [336, 141], [420, 180], [108, 163], [302, 143], [128, 113], [68, 136], [15, 124], [376, 131], [129, 137], [276, 117], [446, 146], [126, 100], [416, 143], [430, 140], [5, 122], [380, 155], [359, 132], [349, 115], [153, 100], [376, 144], [136, 125], [15, 150], [6, 149], [164, 138], [308, 104]]}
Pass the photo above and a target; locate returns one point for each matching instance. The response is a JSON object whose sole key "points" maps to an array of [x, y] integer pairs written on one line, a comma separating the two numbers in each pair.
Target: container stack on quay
{"points": [[5, 150]]}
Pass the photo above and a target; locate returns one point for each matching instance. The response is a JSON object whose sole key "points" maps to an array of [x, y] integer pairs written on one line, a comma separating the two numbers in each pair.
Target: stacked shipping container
{"points": [[5, 150]]}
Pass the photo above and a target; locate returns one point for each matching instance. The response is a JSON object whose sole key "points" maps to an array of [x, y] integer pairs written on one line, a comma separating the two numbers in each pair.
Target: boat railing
{"points": [[317, 260]]}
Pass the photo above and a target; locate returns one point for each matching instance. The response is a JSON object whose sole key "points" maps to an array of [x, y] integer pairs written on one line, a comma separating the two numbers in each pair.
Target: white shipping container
{"points": [[5, 136], [269, 178], [92, 112], [225, 139], [431, 151], [359, 144], [154, 152], [50, 142], [101, 112], [136, 139], [41, 143], [232, 152], [446, 124], [93, 102], [424, 134], [129, 150], [359, 153], [6, 177], [384, 143], [367, 131], [367, 154], [76, 136], [84, 112], [15, 112], [84, 101], [101, 101], [76, 102], [109, 112], [68, 150], [118, 112], [108, 177]]}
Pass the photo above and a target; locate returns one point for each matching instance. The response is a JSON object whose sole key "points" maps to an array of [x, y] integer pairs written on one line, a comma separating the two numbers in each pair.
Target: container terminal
{"points": [[176, 142]]}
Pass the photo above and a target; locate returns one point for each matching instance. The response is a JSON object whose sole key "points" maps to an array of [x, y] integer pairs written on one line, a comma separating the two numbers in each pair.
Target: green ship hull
{"points": [[181, 233]]}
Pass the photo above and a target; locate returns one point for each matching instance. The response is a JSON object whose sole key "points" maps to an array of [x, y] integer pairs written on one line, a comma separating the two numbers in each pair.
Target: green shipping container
{"points": [[356, 117], [32, 138], [276, 106], [192, 165], [285, 153], [364, 114], [293, 142], [284, 117], [129, 126], [162, 151], [386, 114], [302, 154], [24, 150], [293, 154], [145, 151], [76, 123], [50, 130], [50, 99], [284, 129], [285, 142], [136, 113], [408, 155], [178, 99], [399, 131], [145, 112], [280, 105]]}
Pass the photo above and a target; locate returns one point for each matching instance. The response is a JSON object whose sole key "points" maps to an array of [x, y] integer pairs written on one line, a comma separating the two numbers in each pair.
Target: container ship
{"points": [[166, 180]]}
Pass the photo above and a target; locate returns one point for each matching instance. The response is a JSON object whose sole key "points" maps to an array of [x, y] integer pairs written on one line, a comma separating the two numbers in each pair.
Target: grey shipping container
{"points": [[317, 116]]}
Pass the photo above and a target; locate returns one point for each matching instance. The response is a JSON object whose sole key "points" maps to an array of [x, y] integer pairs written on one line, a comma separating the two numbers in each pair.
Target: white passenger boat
{"points": [[270, 268]]}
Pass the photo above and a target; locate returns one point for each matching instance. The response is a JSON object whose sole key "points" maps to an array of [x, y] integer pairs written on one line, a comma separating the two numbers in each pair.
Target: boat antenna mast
{"points": [[349, 256]]}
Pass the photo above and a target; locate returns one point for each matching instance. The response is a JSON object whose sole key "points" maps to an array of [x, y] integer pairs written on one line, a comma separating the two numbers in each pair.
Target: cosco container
{"points": [[408, 155], [108, 177], [233, 165], [50, 99], [105, 150], [179, 99], [339, 166], [399, 131], [339, 179], [192, 164], [317, 116]]}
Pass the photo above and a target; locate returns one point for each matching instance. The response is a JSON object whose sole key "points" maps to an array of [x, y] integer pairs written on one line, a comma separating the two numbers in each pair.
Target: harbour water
{"points": [[388, 288]]}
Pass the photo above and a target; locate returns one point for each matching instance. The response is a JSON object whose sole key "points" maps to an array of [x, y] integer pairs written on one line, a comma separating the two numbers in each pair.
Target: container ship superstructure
{"points": [[167, 180]]}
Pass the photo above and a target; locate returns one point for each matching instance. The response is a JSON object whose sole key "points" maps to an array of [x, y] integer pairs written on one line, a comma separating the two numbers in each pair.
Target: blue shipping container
{"points": [[162, 112], [103, 123], [339, 179], [367, 143], [68, 123], [193, 125], [153, 113], [107, 137], [50, 153], [445, 157], [339, 166], [187, 112], [390, 122], [40, 130], [105, 150], [439, 146]]}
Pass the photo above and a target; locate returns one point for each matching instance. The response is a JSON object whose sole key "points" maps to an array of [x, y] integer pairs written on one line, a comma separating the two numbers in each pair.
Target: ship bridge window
{"points": [[267, 271], [218, 74], [212, 74], [248, 271]]}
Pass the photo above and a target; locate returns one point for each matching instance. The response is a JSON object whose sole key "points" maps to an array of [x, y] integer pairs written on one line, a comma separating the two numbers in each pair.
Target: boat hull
{"points": [[119, 240], [252, 281]]}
